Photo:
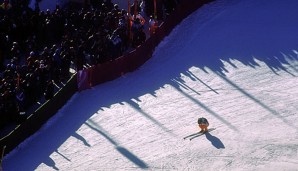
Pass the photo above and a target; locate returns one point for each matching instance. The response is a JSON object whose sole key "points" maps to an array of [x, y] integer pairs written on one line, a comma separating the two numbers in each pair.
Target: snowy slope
{"points": [[233, 62]]}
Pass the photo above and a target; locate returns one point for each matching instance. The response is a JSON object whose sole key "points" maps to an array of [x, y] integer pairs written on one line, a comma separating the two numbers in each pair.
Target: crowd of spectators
{"points": [[38, 48]]}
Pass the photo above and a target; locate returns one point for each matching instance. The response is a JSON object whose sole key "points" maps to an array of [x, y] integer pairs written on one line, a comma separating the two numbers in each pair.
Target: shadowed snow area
{"points": [[233, 62]]}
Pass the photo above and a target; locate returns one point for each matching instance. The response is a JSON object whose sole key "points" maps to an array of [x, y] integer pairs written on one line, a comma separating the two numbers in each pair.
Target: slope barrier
{"points": [[129, 62], [99, 74], [35, 120]]}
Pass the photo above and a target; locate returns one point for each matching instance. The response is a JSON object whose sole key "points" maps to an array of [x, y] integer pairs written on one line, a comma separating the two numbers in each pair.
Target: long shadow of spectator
{"points": [[133, 158], [259, 102], [216, 142], [62, 155], [123, 151], [79, 137], [206, 108], [50, 162], [137, 107]]}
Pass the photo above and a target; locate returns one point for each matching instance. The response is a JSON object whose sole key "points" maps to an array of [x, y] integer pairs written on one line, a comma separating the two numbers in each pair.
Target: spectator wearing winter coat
{"points": [[135, 8], [116, 45], [20, 97], [141, 18], [49, 92], [169, 6], [138, 34], [152, 25], [5, 5], [109, 4]]}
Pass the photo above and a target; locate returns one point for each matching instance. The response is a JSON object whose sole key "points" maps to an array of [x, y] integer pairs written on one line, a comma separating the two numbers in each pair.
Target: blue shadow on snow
{"points": [[216, 142]]}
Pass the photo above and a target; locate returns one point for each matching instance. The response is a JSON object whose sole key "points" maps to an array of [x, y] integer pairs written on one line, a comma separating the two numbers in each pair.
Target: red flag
{"points": [[155, 11], [136, 9], [128, 7], [129, 20]]}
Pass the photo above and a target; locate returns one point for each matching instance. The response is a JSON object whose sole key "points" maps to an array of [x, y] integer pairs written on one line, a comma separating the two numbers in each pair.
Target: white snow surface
{"points": [[233, 62]]}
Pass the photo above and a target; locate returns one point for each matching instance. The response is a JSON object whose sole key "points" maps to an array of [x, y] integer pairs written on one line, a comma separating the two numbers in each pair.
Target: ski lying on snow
{"points": [[197, 134], [201, 134]]}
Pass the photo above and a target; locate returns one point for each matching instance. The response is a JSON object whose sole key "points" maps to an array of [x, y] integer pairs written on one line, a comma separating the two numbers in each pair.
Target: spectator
{"points": [[141, 18], [135, 8], [37, 46], [138, 36], [169, 6], [152, 25], [115, 43], [49, 91], [5, 5], [20, 97]]}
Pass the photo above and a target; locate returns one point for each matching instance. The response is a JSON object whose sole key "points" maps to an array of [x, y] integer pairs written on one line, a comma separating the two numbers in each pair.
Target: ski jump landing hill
{"points": [[98, 74]]}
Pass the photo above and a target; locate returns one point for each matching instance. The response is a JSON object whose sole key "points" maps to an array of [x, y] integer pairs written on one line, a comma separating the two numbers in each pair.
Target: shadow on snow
{"points": [[216, 142], [208, 48]]}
